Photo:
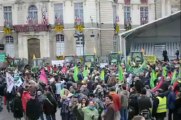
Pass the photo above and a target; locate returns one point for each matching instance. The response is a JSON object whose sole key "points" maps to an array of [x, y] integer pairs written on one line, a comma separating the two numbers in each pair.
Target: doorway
{"points": [[33, 49]]}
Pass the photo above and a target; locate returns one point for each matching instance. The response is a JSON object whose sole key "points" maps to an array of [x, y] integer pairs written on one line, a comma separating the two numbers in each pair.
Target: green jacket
{"points": [[90, 114]]}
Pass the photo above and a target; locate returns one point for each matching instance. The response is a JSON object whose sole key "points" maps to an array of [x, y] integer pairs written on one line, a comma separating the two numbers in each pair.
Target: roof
{"points": [[141, 28]]}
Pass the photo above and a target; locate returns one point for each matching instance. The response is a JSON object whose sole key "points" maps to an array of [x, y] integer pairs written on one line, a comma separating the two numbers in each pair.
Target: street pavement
{"points": [[5, 115]]}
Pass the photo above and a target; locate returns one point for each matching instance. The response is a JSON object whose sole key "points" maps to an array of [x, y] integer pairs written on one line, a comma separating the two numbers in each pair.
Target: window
{"points": [[58, 9], [79, 45], [7, 15], [114, 14], [9, 40], [9, 46], [127, 17], [32, 15], [60, 46], [78, 9], [127, 14], [144, 15]]}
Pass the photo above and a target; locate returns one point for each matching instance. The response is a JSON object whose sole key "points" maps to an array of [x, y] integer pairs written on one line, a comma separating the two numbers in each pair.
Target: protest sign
{"points": [[10, 82], [150, 58]]}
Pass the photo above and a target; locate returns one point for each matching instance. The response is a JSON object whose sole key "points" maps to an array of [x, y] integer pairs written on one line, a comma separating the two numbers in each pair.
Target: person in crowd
{"points": [[116, 101], [50, 106], [177, 109], [133, 103], [64, 105], [17, 107], [144, 104], [171, 102], [33, 108], [2, 88], [165, 56], [124, 103], [109, 112], [41, 97], [25, 98], [159, 105], [177, 54], [90, 112]]}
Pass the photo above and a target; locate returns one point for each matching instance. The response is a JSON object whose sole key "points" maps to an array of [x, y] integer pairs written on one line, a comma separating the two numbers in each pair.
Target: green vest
{"points": [[162, 106]]}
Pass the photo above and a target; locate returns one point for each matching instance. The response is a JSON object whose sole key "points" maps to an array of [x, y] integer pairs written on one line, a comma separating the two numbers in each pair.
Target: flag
{"points": [[127, 2], [144, 1], [64, 70], [34, 57], [179, 74], [152, 79], [174, 77], [85, 72], [102, 75], [19, 82], [159, 85], [43, 77], [121, 78], [10, 82], [94, 50], [76, 71], [164, 72]]}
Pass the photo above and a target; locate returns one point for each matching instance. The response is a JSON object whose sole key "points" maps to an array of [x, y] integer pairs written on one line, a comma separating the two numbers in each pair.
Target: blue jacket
{"points": [[171, 100]]}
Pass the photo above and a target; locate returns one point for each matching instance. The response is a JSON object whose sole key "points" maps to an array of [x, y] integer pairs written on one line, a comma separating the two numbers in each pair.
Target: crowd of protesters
{"points": [[92, 98]]}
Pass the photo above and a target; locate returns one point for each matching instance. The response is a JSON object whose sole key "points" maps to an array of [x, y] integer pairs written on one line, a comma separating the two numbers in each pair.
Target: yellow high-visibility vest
{"points": [[162, 106]]}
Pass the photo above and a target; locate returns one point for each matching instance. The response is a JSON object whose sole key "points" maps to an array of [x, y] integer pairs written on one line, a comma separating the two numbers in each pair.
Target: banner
{"points": [[150, 58], [102, 65], [2, 57], [7, 31], [10, 82], [59, 28], [43, 77], [58, 62]]}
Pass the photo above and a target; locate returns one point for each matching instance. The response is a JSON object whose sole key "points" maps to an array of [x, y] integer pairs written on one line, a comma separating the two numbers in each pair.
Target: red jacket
{"points": [[116, 101], [25, 98]]}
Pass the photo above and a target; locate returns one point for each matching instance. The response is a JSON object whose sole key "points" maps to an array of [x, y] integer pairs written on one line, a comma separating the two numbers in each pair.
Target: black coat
{"points": [[49, 107], [33, 109], [17, 108], [144, 103], [177, 110]]}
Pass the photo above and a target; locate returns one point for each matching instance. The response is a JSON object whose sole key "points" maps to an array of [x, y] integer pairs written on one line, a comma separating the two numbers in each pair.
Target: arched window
{"points": [[9, 46], [32, 14], [60, 45]]}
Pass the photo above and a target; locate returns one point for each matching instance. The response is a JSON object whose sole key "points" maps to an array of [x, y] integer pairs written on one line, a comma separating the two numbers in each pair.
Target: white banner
{"points": [[10, 82], [102, 65], [58, 62]]}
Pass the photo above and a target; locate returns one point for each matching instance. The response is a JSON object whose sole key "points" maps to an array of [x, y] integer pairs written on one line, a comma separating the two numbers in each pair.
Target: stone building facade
{"points": [[54, 28]]}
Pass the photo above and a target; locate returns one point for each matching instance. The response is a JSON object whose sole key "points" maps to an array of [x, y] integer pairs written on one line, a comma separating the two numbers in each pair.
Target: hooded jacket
{"points": [[90, 114]]}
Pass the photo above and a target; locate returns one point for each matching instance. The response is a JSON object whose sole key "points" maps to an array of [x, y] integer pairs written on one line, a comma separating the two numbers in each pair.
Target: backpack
{"points": [[65, 107]]}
